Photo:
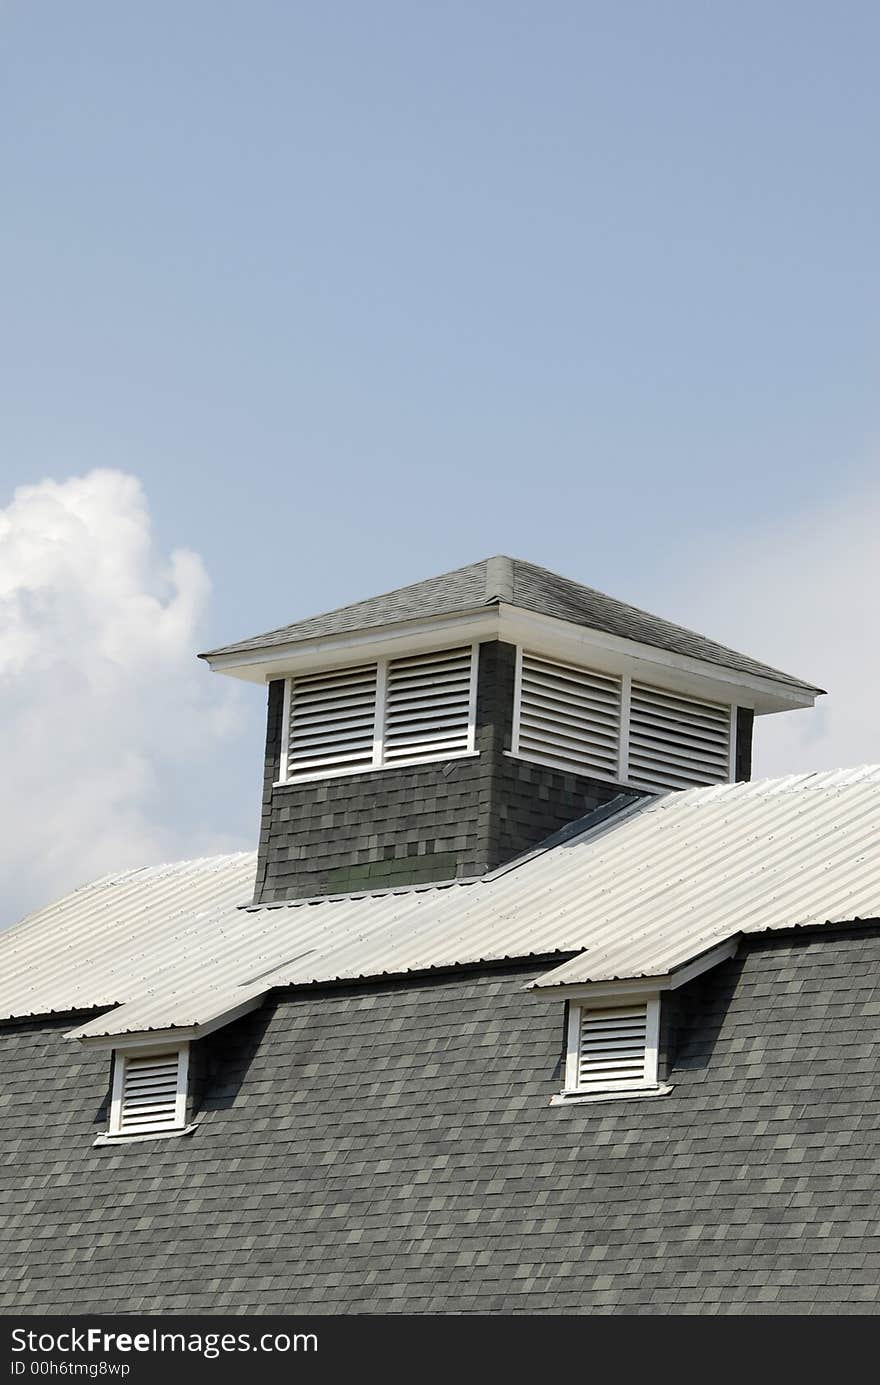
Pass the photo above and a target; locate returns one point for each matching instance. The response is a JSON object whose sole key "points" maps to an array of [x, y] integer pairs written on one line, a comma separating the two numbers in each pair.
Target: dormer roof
{"points": [[494, 583]]}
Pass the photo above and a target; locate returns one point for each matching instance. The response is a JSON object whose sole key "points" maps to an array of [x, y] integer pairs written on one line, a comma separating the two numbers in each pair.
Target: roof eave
{"points": [[273, 661], [587, 989], [172, 1033], [618, 653], [516, 625]]}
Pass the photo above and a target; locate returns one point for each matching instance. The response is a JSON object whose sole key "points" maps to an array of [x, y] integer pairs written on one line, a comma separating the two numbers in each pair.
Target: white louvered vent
{"points": [[613, 1049], [332, 721], [428, 705], [394, 711], [568, 716], [149, 1092], [615, 728], [676, 742]]}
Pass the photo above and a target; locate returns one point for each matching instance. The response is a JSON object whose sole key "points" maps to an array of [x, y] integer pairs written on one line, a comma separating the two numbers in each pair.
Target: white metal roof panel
{"points": [[692, 870], [639, 895], [197, 1011], [106, 942]]}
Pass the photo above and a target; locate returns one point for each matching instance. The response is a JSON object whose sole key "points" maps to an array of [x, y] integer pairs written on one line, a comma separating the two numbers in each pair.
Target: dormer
{"points": [[438, 731]]}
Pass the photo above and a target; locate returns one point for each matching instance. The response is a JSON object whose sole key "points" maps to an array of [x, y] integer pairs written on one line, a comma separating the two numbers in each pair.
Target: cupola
{"points": [[440, 730]]}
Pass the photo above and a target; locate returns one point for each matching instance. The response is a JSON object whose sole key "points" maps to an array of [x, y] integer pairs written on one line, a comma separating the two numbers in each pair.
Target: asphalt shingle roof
{"points": [[392, 1148], [516, 583]]}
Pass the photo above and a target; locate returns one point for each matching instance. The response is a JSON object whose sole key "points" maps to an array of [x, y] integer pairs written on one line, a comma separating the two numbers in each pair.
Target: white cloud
{"points": [[101, 699], [803, 595]]}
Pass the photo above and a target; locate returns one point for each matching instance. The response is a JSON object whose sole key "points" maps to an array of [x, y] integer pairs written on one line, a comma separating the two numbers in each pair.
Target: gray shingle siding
{"points": [[391, 1148], [414, 825]]}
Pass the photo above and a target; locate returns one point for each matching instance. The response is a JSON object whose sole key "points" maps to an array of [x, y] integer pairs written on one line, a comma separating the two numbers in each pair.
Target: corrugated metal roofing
{"points": [[638, 895], [517, 583], [694, 869], [108, 942]]}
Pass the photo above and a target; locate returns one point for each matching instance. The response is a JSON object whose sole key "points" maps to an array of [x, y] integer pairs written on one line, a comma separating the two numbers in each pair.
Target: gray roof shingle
{"points": [[517, 583], [392, 1148]]}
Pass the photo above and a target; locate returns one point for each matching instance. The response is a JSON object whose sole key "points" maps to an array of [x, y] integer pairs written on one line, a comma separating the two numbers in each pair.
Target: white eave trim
{"points": [[613, 654], [331, 651], [515, 625], [637, 985]]}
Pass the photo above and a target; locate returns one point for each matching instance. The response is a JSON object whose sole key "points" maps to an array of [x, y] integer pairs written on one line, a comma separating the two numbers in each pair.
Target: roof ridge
{"points": [[500, 580]]}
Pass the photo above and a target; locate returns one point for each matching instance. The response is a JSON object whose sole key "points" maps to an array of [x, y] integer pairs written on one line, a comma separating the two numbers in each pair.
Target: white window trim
{"points": [[120, 1057], [626, 683], [379, 765], [373, 769], [594, 1098], [285, 732], [649, 1081], [108, 1139], [517, 703]]}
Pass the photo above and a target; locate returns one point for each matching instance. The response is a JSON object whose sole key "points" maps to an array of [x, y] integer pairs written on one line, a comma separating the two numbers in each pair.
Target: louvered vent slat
{"points": [[676, 742], [569, 717], [332, 721], [427, 705], [149, 1098], [612, 1047]]}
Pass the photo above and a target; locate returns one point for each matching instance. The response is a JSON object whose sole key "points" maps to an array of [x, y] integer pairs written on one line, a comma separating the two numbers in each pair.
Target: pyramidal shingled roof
{"points": [[516, 583]]}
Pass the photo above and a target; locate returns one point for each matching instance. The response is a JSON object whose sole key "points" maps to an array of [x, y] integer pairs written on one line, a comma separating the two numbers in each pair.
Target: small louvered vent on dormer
{"points": [[676, 742], [568, 716], [391, 712], [149, 1092], [612, 1047], [427, 708]]}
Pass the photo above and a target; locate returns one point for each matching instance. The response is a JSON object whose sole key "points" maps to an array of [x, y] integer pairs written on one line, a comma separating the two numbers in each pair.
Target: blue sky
{"points": [[359, 293]]}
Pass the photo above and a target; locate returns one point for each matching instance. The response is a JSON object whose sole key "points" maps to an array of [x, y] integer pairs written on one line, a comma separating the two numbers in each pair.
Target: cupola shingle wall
{"points": [[419, 823]]}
